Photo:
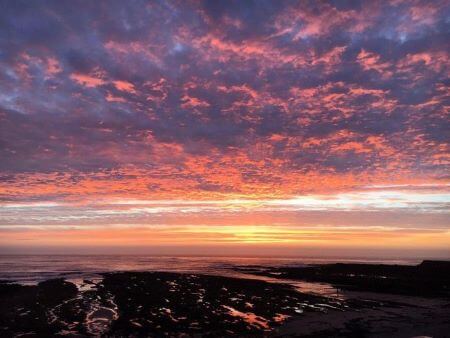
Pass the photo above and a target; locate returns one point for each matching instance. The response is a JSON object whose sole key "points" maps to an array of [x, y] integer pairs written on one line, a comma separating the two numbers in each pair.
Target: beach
{"points": [[182, 304]]}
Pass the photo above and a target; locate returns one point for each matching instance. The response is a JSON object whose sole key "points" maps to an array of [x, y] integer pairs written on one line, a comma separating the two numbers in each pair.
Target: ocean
{"points": [[31, 269], [140, 304]]}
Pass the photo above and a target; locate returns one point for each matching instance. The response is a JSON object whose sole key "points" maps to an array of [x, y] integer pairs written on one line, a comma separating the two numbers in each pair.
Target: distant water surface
{"points": [[31, 269]]}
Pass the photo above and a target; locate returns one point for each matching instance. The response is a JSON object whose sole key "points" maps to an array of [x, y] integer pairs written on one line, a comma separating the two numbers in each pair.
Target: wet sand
{"points": [[377, 315], [383, 300]]}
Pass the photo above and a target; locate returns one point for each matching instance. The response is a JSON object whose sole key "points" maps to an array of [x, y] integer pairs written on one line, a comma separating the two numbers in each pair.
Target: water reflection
{"points": [[31, 269]]}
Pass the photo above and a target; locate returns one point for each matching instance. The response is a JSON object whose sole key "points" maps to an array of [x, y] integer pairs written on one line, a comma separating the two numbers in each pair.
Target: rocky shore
{"points": [[163, 304], [140, 304], [427, 279]]}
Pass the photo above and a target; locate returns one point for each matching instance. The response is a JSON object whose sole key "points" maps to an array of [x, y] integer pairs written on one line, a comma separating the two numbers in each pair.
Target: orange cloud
{"points": [[87, 80], [124, 86]]}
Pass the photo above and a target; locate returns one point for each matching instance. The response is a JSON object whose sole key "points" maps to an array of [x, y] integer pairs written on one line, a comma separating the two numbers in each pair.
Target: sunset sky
{"points": [[225, 127]]}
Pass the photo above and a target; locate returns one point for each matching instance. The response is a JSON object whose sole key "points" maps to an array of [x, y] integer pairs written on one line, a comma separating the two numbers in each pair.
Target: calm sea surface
{"points": [[30, 269]]}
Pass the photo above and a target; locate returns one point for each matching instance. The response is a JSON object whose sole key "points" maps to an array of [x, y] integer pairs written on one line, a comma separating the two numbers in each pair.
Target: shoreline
{"points": [[427, 279], [129, 303], [160, 303]]}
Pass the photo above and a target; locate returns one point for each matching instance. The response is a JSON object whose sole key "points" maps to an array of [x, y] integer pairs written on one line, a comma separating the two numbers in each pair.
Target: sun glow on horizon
{"points": [[246, 125], [379, 217]]}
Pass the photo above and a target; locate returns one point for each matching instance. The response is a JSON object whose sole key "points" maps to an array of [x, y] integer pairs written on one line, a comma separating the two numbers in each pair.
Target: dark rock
{"points": [[430, 278]]}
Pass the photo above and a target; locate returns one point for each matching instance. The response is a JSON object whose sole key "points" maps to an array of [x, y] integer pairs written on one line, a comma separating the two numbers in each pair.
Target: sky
{"points": [[225, 127]]}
